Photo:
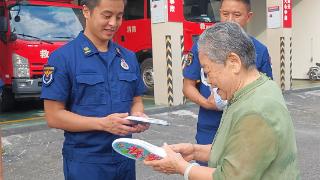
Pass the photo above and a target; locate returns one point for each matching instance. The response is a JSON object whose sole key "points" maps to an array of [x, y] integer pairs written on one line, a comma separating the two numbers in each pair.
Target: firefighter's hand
{"points": [[116, 124], [140, 126]]}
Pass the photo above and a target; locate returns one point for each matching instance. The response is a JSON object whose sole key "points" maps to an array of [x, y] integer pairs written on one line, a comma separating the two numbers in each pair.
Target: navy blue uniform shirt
{"points": [[1, 85], [209, 120], [263, 61], [92, 84]]}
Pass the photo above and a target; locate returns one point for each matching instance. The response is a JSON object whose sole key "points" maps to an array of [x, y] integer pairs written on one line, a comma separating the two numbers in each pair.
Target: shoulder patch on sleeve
{"points": [[187, 61], [47, 77]]}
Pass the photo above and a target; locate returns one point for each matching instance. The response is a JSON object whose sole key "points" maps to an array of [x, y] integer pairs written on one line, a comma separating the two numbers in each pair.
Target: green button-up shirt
{"points": [[256, 137]]}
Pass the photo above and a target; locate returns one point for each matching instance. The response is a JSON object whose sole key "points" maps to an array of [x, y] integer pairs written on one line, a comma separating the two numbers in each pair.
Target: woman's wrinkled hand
{"points": [[185, 149], [173, 163]]}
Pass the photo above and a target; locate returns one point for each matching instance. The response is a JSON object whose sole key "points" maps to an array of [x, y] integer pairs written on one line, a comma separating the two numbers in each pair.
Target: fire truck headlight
{"points": [[20, 66]]}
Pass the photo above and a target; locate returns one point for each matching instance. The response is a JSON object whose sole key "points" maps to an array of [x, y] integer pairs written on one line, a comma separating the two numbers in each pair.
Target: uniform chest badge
{"points": [[124, 64], [47, 77]]}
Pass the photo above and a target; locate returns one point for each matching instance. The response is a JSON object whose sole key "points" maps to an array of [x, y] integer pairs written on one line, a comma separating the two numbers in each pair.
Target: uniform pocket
{"points": [[127, 85], [91, 89]]}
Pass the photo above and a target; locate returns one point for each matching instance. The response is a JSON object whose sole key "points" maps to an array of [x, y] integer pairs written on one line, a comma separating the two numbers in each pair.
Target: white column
{"points": [[167, 60], [279, 41]]}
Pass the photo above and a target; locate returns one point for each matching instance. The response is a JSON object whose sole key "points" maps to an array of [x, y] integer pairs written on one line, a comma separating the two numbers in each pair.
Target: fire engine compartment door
{"points": [[135, 31]]}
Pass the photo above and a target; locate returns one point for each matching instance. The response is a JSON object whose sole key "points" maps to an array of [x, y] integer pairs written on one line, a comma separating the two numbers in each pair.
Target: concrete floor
{"points": [[34, 152]]}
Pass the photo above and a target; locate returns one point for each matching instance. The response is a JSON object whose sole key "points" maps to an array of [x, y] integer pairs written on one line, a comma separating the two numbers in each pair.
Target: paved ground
{"points": [[34, 152]]}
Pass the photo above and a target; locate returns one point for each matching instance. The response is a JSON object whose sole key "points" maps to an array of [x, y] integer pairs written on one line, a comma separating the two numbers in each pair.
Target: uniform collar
{"points": [[249, 88], [89, 49]]}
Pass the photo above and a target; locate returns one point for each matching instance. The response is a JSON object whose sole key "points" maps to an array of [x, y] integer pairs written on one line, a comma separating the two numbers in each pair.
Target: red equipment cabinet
{"points": [[29, 32]]}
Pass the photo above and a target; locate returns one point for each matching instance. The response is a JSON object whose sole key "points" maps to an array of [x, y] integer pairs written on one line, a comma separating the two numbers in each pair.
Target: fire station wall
{"points": [[257, 27], [305, 33], [306, 36]]}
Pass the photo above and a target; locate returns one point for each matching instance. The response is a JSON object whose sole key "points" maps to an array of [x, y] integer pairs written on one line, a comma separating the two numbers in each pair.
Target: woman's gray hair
{"points": [[224, 38]]}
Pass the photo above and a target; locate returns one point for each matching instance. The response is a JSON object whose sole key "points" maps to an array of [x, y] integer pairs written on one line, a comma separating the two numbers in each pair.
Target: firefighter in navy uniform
{"points": [[89, 86]]}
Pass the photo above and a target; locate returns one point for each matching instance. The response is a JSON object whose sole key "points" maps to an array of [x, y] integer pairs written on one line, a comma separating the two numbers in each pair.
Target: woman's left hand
{"points": [[173, 163]]}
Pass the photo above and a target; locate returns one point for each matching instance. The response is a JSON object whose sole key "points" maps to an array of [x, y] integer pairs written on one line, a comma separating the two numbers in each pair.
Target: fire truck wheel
{"points": [[147, 74], [6, 100]]}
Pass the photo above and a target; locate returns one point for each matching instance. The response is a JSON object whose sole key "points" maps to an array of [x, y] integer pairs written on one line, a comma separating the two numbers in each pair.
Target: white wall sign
{"points": [[273, 17], [158, 11]]}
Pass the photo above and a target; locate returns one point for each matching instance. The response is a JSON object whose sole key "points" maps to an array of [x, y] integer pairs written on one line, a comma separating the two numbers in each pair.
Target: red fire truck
{"points": [[29, 31], [135, 31]]}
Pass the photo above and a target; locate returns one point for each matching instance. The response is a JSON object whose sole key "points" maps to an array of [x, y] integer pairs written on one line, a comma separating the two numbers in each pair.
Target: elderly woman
{"points": [[256, 138]]}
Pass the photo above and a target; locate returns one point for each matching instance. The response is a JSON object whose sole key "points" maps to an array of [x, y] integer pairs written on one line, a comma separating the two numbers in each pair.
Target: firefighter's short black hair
{"points": [[246, 2], [91, 4]]}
